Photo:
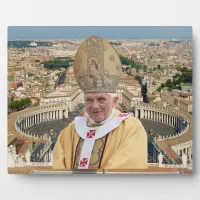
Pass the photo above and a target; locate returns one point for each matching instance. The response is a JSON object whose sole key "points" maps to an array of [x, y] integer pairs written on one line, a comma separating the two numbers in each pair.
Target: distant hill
{"points": [[25, 44]]}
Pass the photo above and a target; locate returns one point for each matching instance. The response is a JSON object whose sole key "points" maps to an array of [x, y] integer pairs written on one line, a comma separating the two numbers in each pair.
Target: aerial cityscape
{"points": [[44, 97]]}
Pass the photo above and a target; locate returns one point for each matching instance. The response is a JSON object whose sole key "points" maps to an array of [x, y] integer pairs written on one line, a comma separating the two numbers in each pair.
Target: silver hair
{"points": [[113, 95]]}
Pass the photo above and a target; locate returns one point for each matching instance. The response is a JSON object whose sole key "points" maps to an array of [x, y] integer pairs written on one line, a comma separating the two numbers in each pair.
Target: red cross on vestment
{"points": [[91, 133], [83, 162], [123, 114]]}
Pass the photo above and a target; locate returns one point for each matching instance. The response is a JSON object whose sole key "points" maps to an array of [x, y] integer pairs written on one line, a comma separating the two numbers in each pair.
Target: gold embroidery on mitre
{"points": [[95, 66], [111, 57]]}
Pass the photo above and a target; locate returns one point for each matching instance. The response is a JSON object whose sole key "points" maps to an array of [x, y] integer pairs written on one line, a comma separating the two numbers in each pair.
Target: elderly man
{"points": [[104, 138]]}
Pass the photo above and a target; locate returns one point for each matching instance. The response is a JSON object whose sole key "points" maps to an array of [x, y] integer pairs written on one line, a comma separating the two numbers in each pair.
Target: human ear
{"points": [[115, 100]]}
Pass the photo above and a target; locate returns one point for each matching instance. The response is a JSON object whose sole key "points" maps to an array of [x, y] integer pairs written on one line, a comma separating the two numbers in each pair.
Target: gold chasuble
{"points": [[125, 147]]}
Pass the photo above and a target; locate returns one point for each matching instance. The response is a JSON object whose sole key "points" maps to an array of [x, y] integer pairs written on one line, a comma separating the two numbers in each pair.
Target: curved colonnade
{"points": [[37, 115], [163, 115], [174, 145], [32, 116]]}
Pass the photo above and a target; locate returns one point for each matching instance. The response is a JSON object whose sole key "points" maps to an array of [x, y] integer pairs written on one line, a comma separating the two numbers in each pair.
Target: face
{"points": [[99, 105]]}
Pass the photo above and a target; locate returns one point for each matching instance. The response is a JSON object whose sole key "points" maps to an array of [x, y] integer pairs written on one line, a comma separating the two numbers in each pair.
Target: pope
{"points": [[103, 138]]}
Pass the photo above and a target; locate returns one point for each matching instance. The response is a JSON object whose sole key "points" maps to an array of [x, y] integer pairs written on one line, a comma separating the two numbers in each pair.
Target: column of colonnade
{"points": [[168, 119], [25, 123], [32, 122], [144, 114], [52, 114], [136, 112], [171, 120], [49, 115], [141, 113], [33, 119], [174, 121]]}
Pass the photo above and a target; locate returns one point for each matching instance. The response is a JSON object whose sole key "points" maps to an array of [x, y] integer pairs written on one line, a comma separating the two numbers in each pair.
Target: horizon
{"points": [[40, 39], [107, 32]]}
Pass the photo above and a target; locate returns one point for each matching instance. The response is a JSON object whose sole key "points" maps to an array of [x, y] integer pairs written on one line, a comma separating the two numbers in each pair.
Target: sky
{"points": [[107, 32]]}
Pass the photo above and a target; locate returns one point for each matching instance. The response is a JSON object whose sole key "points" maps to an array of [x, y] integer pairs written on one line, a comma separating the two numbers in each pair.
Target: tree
{"points": [[168, 83], [144, 68], [30, 74], [19, 105], [126, 68], [58, 74], [57, 63], [12, 98], [178, 68]]}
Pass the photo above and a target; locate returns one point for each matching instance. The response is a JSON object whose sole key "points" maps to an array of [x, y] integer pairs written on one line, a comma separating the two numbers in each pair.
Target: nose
{"points": [[95, 105]]}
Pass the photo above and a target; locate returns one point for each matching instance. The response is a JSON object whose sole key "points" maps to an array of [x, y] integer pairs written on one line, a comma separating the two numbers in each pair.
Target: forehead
{"points": [[97, 95]]}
